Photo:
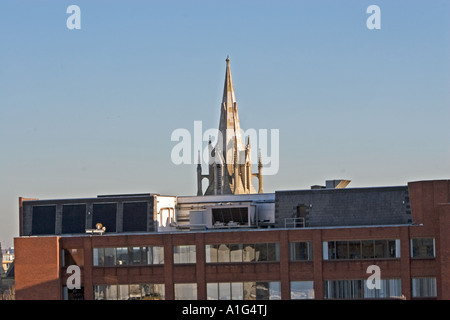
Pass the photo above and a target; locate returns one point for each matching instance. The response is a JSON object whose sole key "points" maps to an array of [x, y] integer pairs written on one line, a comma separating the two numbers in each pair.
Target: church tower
{"points": [[230, 166]]}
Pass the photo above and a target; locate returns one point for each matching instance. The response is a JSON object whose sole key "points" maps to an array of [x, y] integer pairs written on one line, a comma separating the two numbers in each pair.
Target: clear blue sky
{"points": [[91, 111]]}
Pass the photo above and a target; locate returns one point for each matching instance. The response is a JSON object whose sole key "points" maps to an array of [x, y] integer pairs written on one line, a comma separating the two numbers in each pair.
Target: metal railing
{"points": [[294, 222]]}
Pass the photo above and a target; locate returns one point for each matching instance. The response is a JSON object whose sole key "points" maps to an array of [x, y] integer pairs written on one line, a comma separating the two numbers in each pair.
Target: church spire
{"points": [[228, 90], [234, 176], [229, 126]]}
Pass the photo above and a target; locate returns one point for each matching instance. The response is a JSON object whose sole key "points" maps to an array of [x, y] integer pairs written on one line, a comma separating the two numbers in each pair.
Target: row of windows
{"points": [[358, 289], [361, 249], [249, 252], [389, 288], [126, 256], [269, 290], [243, 290], [74, 217], [129, 292], [263, 252]]}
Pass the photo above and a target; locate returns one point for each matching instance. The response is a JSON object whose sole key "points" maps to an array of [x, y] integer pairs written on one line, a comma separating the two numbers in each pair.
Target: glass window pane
{"points": [[381, 249], [122, 256], [249, 290], [158, 255], [395, 288], [249, 252], [332, 250], [110, 256], [391, 249], [111, 292], [153, 291], [223, 253], [341, 250], [184, 254], [354, 249], [261, 252], [224, 291], [185, 291], [211, 253], [73, 257], [273, 252], [235, 252], [302, 290], [192, 254], [301, 251], [135, 292], [262, 291], [123, 292], [424, 287], [367, 247], [145, 255], [100, 292], [99, 256], [237, 291], [212, 291], [135, 255], [274, 290], [423, 248]]}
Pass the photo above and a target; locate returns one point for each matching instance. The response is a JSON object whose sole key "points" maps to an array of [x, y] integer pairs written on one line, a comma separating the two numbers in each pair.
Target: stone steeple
{"points": [[230, 167]]}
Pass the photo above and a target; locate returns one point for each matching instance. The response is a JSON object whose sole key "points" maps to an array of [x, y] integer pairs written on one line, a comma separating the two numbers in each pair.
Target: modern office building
{"points": [[320, 243]]}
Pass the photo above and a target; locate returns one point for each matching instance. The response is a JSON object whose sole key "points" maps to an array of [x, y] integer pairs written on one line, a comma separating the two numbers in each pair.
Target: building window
{"points": [[423, 248], [73, 218], [72, 257], [105, 213], [389, 288], [110, 256], [43, 220], [249, 252], [302, 290], [184, 254], [122, 256], [344, 289], [135, 216], [73, 294], [424, 288], [243, 290], [185, 291], [128, 256], [361, 249], [357, 289], [301, 251], [235, 215], [129, 292]]}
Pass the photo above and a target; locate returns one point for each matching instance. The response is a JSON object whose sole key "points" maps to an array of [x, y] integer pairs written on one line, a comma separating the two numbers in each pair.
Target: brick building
{"points": [[301, 244], [233, 243]]}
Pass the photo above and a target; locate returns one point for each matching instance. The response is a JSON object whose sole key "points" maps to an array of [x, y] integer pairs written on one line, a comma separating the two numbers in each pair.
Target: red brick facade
{"points": [[39, 274]]}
